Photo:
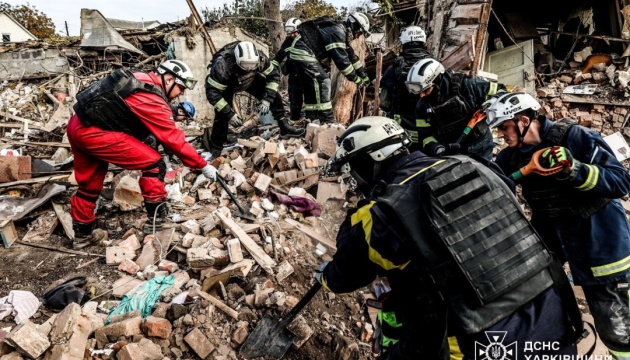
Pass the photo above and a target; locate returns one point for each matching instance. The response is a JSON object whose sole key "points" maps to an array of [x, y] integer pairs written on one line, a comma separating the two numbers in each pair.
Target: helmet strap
{"points": [[521, 135], [168, 92]]}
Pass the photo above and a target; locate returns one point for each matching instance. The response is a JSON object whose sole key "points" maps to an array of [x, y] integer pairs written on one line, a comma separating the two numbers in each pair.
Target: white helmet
{"points": [[412, 33], [422, 74], [180, 70], [359, 22], [368, 141], [506, 106], [246, 56], [291, 25]]}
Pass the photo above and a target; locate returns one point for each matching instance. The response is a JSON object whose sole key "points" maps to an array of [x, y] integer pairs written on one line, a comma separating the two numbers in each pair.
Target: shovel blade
{"points": [[270, 338]]}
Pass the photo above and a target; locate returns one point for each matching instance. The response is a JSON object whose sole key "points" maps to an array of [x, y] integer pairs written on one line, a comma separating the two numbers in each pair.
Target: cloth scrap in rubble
{"points": [[300, 204], [144, 298], [21, 304]]}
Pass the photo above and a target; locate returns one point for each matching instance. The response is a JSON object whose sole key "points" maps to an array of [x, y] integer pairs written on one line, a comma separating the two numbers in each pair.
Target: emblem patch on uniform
{"points": [[495, 350]]}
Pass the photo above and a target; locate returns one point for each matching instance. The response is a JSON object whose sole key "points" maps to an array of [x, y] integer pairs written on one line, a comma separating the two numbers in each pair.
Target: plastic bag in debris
{"points": [[70, 291], [144, 298]]}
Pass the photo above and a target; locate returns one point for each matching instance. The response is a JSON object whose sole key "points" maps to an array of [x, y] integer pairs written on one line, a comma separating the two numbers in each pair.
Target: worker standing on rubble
{"points": [[437, 287], [319, 41], [113, 117], [239, 66], [577, 211], [296, 96], [396, 101], [449, 99]]}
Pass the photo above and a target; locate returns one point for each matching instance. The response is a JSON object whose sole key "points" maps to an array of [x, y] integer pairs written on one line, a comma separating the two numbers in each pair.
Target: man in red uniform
{"points": [[113, 117]]}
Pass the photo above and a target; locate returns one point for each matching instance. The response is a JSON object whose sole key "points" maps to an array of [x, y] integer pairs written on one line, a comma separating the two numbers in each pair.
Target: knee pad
{"points": [[161, 173]]}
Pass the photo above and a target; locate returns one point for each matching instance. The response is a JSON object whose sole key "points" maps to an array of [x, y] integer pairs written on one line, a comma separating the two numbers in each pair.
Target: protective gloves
{"points": [[236, 120], [559, 156], [319, 272], [366, 80], [359, 82], [263, 109], [210, 172]]}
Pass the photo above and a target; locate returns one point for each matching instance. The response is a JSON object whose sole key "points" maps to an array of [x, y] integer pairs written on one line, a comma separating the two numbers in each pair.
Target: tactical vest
{"points": [[550, 198], [312, 36], [451, 117], [473, 238], [102, 103]]}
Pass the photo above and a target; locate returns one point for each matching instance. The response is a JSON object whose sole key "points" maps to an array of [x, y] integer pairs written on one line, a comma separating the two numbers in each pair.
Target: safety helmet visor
{"points": [[248, 65], [415, 88], [188, 83]]}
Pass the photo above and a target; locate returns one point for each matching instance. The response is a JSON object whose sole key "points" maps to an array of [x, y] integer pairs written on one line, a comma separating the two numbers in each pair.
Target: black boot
{"points": [[82, 235], [157, 213], [286, 130]]}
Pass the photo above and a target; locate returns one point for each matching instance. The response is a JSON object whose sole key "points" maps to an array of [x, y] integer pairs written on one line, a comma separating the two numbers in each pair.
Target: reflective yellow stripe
{"points": [[220, 104], [591, 179], [612, 268], [275, 63], [357, 65], [493, 89], [315, 107], [299, 54], [347, 70], [619, 354], [456, 352], [422, 123], [421, 171], [216, 84], [428, 140], [364, 216], [413, 134], [272, 86], [268, 70], [337, 45], [397, 118]]}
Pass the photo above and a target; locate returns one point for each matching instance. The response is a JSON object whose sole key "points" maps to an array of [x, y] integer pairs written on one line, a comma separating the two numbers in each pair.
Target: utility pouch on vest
{"points": [[450, 118]]}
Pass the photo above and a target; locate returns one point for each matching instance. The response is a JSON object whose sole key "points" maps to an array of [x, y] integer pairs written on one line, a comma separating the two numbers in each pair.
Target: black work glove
{"points": [[319, 273]]}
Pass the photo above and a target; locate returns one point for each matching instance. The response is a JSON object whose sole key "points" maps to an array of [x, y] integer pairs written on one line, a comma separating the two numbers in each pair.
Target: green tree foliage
{"points": [[308, 9], [241, 14], [35, 21]]}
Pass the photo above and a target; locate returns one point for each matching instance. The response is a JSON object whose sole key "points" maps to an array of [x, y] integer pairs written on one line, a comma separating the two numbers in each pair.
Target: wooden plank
{"points": [[13, 117], [461, 57], [591, 100], [8, 234], [34, 180], [216, 302], [467, 14], [312, 234], [65, 219], [261, 257], [41, 228], [64, 250]]}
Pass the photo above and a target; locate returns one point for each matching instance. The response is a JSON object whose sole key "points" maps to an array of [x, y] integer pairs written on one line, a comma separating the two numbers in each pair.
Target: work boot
{"points": [[157, 213], [286, 130], [83, 235]]}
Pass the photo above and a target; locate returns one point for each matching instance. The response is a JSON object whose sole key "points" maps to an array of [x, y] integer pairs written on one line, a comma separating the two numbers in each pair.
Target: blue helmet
{"points": [[189, 109]]}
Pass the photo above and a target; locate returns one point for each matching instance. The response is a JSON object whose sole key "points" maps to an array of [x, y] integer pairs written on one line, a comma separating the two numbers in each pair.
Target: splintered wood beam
{"points": [[261, 257]]}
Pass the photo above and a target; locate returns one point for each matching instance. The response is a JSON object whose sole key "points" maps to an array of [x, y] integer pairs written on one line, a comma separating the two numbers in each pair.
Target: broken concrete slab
{"points": [[27, 340]]}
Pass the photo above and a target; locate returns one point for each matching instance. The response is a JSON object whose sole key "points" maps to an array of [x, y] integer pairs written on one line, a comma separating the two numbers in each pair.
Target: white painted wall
{"points": [[17, 33]]}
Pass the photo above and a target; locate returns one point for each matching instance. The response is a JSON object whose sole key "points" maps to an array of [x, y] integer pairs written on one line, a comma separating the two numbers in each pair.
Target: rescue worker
{"points": [[396, 101], [437, 285], [319, 41], [449, 100], [296, 96], [113, 116], [577, 211], [183, 111], [239, 66]]}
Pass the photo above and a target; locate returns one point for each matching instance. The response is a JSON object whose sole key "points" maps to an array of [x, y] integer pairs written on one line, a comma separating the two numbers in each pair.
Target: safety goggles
{"points": [[415, 88], [248, 66], [188, 83]]}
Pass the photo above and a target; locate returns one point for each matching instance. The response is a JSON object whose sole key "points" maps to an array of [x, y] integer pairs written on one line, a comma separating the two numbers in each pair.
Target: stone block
{"points": [[126, 328], [131, 243], [125, 285], [262, 182], [148, 255], [129, 267], [157, 327], [27, 340], [64, 324], [115, 255], [145, 349], [299, 327], [199, 343], [204, 194], [127, 194], [234, 250]]}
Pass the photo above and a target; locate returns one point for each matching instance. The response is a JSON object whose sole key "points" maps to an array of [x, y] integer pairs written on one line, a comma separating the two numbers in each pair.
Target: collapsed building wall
{"points": [[29, 63]]}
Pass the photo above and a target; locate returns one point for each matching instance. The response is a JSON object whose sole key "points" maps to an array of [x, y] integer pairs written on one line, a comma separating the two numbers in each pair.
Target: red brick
{"points": [[13, 168], [157, 327], [129, 267]]}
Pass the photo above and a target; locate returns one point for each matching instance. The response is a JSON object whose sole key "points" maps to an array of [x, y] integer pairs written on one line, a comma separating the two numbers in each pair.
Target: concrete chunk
{"points": [[115, 255], [199, 343], [27, 340], [234, 250], [125, 328], [127, 194]]}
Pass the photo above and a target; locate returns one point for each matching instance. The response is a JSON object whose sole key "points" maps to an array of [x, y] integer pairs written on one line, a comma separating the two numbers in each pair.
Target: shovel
{"points": [[242, 213], [271, 337]]}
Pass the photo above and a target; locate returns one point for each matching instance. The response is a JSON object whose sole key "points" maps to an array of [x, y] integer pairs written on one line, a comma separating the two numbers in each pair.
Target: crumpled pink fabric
{"points": [[300, 204], [21, 304]]}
